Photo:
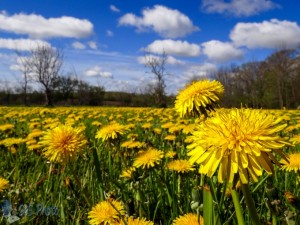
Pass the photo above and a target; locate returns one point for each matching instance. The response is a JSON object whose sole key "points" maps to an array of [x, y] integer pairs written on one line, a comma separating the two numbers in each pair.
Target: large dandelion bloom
{"points": [[110, 131], [189, 219], [63, 143], [148, 158], [239, 141], [198, 97], [4, 184], [106, 212], [293, 164]]}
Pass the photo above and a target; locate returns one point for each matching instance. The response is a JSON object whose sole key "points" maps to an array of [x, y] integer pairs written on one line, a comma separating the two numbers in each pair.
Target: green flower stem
{"points": [[80, 186], [238, 207], [250, 204], [98, 172]]}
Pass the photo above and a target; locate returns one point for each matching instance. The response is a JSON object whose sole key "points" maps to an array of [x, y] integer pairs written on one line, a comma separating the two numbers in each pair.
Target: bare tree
{"points": [[157, 67], [25, 69], [45, 64]]}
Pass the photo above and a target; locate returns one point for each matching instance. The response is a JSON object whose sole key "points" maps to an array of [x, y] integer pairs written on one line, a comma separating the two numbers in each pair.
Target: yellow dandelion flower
{"points": [[96, 123], [170, 137], [157, 130], [62, 143], [127, 173], [6, 127], [4, 184], [106, 212], [33, 147], [189, 219], [239, 141], [167, 125], [146, 125], [175, 129], [198, 97], [170, 154], [34, 134], [12, 141], [188, 128], [293, 162], [136, 221], [132, 144], [111, 131], [148, 158], [180, 166]]}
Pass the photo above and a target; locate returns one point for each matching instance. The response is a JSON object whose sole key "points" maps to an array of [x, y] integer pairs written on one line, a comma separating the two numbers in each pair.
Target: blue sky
{"points": [[105, 42]]}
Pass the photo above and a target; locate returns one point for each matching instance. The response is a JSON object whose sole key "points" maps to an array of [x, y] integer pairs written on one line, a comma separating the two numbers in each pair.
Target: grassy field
{"points": [[140, 161]]}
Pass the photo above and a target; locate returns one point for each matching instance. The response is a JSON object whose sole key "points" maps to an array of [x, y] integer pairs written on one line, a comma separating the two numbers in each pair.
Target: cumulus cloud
{"points": [[36, 26], [78, 45], [267, 34], [114, 8], [169, 60], [171, 47], [21, 44], [238, 7], [97, 71], [198, 71], [221, 51], [166, 22]]}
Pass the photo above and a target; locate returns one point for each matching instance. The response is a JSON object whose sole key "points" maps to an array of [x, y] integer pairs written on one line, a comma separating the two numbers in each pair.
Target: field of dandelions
{"points": [[192, 164]]}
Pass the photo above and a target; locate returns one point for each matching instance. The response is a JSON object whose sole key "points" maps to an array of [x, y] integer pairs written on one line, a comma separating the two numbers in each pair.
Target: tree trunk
{"points": [[48, 97]]}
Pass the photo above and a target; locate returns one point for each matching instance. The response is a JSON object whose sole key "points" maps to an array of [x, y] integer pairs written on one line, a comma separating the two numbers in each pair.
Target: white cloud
{"points": [[97, 71], [221, 51], [267, 34], [199, 71], [238, 7], [166, 22], [109, 33], [36, 26], [92, 45], [78, 45], [169, 60], [114, 8], [21, 44], [171, 47]]}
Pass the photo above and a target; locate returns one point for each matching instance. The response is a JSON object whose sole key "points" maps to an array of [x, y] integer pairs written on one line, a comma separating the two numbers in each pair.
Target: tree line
{"points": [[271, 83]]}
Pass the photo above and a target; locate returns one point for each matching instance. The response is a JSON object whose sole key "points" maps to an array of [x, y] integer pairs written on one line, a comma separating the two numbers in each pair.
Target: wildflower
{"points": [[188, 128], [127, 173], [293, 162], [136, 221], [180, 166], [148, 158], [189, 219], [106, 212], [6, 127], [157, 130], [8, 142], [132, 144], [34, 134], [146, 125], [198, 97], [170, 154], [170, 137], [111, 131], [4, 184], [240, 141], [62, 143]]}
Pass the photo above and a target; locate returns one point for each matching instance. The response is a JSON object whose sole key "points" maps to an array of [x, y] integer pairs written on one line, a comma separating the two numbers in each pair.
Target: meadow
{"points": [[132, 162]]}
